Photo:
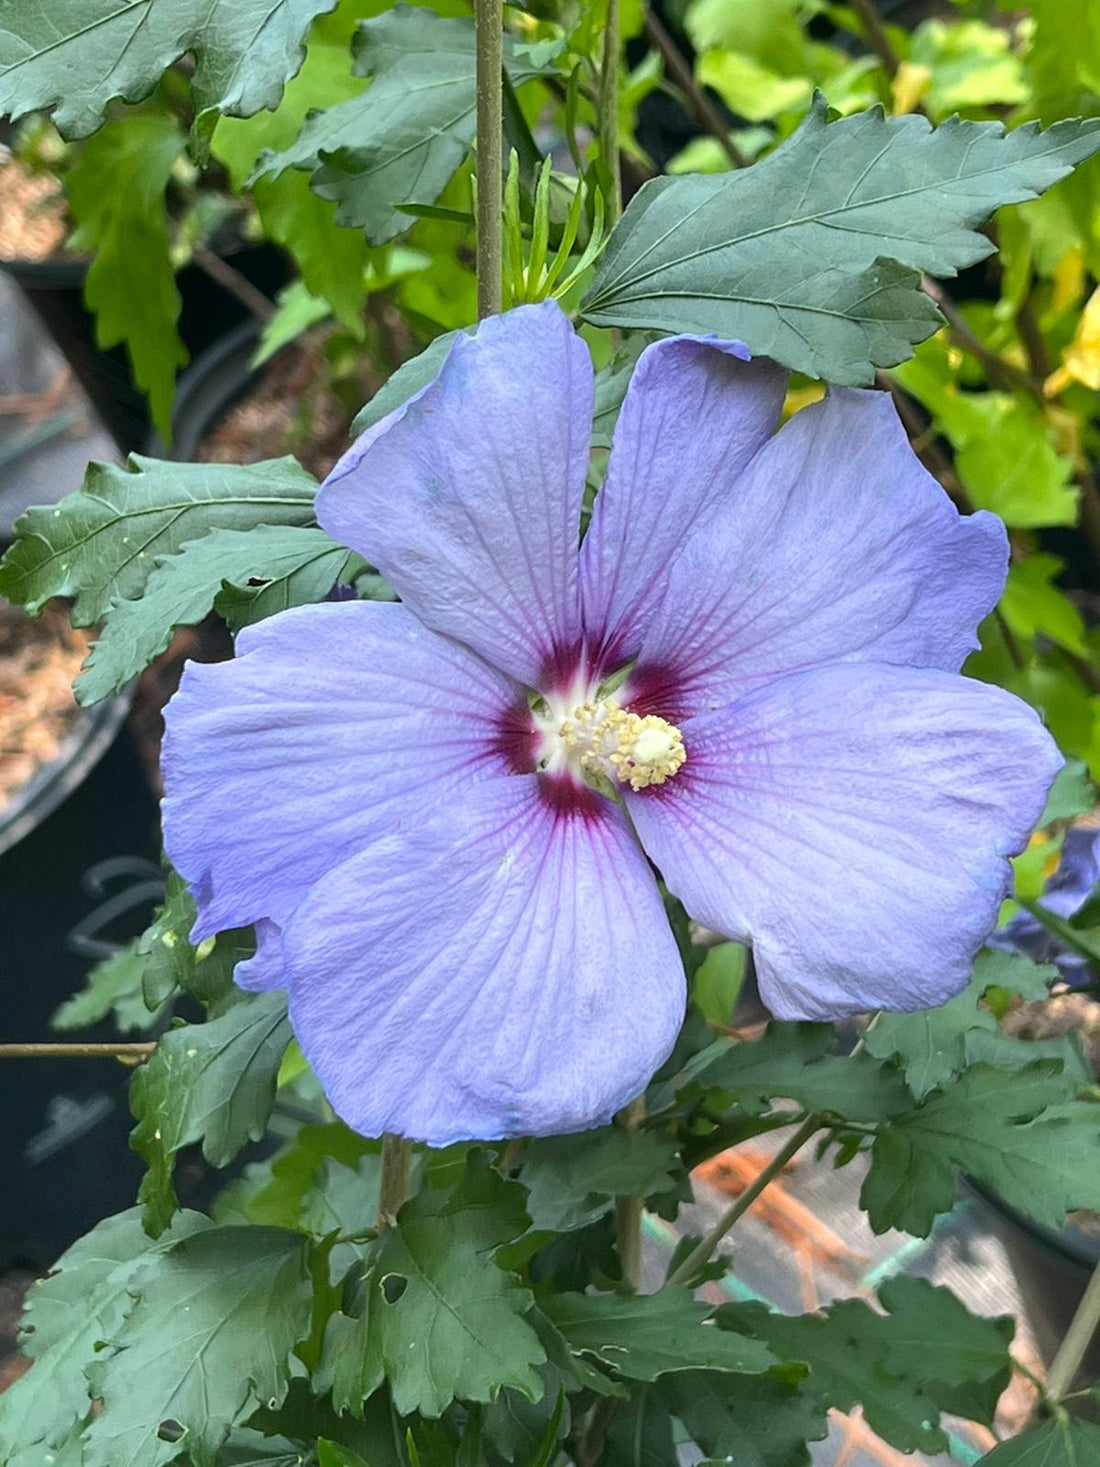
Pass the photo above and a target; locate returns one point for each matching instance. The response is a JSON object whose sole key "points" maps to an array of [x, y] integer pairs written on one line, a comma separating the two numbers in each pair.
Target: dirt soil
{"points": [[38, 660], [33, 217]]}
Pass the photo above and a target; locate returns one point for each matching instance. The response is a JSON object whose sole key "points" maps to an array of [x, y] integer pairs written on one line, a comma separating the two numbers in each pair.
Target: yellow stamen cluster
{"points": [[638, 751]]}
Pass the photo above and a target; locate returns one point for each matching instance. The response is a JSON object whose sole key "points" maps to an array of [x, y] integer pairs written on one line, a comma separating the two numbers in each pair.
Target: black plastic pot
{"points": [[55, 290], [78, 853], [208, 389], [1052, 1269]]}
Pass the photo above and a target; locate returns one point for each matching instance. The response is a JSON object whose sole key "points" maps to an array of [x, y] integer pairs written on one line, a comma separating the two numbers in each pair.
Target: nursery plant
{"points": [[706, 578]]}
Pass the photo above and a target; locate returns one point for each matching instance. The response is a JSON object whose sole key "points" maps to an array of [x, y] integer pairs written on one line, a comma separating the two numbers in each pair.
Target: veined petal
{"points": [[468, 497], [504, 969], [835, 545], [853, 823], [264, 970], [331, 725], [695, 413]]}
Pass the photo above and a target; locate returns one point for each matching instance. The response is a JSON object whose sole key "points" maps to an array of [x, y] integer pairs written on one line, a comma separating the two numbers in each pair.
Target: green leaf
{"points": [[793, 1060], [295, 1185], [292, 582], [82, 1302], [527, 1431], [296, 311], [305, 1417], [245, 1448], [1005, 449], [114, 986], [767, 30], [718, 981], [69, 1454], [212, 1082], [1011, 1129], [1072, 793], [330, 260], [331, 1454], [1032, 605], [402, 139], [971, 65], [932, 1045], [751, 90], [1065, 1442], [408, 380], [753, 1420], [73, 57], [101, 543], [172, 964], [809, 256], [611, 384], [1064, 57], [640, 1432], [116, 192], [208, 1341], [926, 1355], [643, 1336], [303, 564], [1010, 466], [441, 1320], [573, 1180]]}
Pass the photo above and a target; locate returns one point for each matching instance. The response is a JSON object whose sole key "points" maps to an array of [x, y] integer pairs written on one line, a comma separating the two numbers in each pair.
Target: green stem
{"points": [[628, 1210], [874, 33], [1070, 1353], [609, 113], [489, 20], [1060, 927], [703, 1250], [77, 1051], [704, 110], [396, 1162]]}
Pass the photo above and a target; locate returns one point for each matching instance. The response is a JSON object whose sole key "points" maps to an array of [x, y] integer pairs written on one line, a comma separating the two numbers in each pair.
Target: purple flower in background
{"points": [[441, 820], [1067, 891]]}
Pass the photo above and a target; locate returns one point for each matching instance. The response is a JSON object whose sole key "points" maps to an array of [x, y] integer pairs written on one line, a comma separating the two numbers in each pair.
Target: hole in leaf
{"points": [[171, 1431], [393, 1286]]}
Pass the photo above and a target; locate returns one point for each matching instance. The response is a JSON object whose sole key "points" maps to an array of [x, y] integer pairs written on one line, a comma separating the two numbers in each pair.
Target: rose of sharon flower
{"points": [[445, 827]]}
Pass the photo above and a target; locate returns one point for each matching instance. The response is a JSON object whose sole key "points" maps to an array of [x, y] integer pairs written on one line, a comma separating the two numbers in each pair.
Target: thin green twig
{"points": [[703, 1250], [489, 21]]}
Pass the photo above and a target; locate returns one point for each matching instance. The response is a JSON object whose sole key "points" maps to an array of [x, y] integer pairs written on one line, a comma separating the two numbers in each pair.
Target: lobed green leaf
{"points": [[925, 1356], [1015, 1130], [101, 543], [73, 57], [644, 1336], [208, 1341], [260, 570], [401, 140], [441, 1320], [83, 1301], [116, 192], [811, 256], [212, 1083]]}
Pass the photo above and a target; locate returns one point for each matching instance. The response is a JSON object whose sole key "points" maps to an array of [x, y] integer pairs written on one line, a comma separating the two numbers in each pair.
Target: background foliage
{"points": [[786, 186]]}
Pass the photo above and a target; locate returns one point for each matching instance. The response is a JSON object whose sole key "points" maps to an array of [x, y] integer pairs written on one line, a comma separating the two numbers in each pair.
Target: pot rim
{"points": [[80, 750], [1070, 1243]]}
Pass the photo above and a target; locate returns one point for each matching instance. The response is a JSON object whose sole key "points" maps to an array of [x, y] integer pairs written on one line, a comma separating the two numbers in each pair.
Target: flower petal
{"points": [[265, 969], [853, 823], [329, 725], [503, 970], [468, 497], [696, 411], [835, 544]]}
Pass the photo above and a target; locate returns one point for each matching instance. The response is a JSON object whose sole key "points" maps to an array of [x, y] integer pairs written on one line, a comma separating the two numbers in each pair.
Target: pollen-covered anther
{"points": [[634, 750]]}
